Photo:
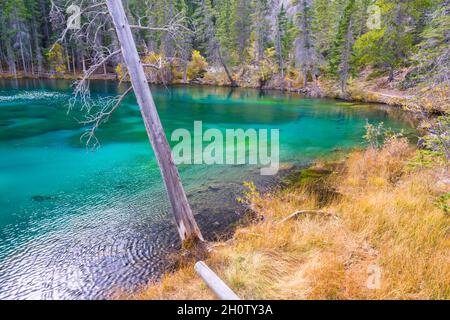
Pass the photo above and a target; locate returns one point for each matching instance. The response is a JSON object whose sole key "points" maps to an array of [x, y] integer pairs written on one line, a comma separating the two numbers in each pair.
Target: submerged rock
{"points": [[41, 198]]}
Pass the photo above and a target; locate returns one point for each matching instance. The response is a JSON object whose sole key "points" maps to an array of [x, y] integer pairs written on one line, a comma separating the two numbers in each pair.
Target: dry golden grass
{"points": [[385, 217]]}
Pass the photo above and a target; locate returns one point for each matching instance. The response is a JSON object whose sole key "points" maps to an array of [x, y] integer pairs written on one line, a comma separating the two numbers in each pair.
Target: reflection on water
{"points": [[75, 224]]}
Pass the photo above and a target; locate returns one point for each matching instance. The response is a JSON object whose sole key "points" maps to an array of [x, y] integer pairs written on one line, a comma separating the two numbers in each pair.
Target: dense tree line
{"points": [[301, 39]]}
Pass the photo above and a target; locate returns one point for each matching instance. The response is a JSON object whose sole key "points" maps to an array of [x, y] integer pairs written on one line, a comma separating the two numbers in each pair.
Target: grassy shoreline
{"points": [[383, 209], [377, 208]]}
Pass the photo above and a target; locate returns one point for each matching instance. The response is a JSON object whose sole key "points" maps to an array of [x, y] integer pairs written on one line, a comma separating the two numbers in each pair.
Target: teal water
{"points": [[80, 225]]}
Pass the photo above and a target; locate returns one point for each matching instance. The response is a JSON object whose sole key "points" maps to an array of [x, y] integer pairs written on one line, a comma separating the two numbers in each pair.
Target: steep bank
{"points": [[374, 226]]}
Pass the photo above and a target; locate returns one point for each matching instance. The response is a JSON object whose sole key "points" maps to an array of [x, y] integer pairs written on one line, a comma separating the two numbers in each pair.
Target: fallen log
{"points": [[213, 281], [297, 214]]}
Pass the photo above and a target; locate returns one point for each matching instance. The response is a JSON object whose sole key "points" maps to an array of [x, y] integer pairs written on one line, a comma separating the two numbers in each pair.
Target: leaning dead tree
{"points": [[110, 15]]}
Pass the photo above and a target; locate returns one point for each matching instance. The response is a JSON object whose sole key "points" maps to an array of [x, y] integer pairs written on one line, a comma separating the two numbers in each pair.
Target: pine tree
{"points": [[305, 54], [341, 38], [261, 27], [242, 28], [203, 20], [239, 32], [388, 48], [433, 55], [283, 38], [226, 28]]}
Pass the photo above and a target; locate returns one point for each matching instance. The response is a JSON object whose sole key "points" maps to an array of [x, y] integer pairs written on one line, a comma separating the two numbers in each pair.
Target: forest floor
{"points": [[374, 225]]}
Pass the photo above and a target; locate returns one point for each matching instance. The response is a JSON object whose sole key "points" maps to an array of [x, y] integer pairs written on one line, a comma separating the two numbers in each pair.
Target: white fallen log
{"points": [[213, 281]]}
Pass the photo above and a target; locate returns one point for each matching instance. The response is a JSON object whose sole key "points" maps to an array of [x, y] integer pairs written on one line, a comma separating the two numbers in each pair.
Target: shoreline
{"points": [[365, 92], [219, 214], [317, 237], [230, 228]]}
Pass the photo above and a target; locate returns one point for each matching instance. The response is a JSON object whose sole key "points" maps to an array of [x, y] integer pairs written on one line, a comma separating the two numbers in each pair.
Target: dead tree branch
{"points": [[300, 213], [101, 117]]}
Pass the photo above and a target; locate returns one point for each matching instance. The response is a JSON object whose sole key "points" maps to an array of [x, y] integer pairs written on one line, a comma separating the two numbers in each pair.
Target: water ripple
{"points": [[27, 96]]}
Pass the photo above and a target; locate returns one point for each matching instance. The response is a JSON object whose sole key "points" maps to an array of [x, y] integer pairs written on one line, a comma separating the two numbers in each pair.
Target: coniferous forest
{"points": [[285, 44], [179, 198]]}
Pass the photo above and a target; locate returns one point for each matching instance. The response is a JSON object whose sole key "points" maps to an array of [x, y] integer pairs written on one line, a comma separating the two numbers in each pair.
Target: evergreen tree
{"points": [[226, 28], [242, 28], [261, 27], [284, 38], [433, 55], [203, 21], [309, 34], [305, 53], [389, 47], [342, 37]]}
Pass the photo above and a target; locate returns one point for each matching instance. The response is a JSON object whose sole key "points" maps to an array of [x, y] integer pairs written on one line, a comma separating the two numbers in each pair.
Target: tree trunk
{"points": [[391, 74], [168, 44], [83, 62], [184, 218], [185, 71], [279, 50], [39, 56], [74, 67], [11, 58], [31, 60], [345, 59], [66, 53], [45, 21], [37, 45], [22, 55], [230, 78], [305, 77]]}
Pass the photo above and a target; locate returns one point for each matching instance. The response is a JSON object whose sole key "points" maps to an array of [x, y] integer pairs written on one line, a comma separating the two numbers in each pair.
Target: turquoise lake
{"points": [[76, 224]]}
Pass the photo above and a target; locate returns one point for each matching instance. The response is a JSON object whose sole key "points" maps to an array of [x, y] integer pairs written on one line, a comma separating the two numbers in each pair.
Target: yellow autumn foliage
{"points": [[120, 72], [56, 59], [197, 66]]}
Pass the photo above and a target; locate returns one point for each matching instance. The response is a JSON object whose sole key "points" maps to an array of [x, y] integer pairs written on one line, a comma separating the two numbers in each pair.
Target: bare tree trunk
{"points": [[230, 78], [74, 67], [305, 77], [39, 57], [280, 54], [31, 60], [391, 74], [83, 61], [67, 56], [186, 224], [11, 58], [345, 63], [185, 70], [22, 55]]}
